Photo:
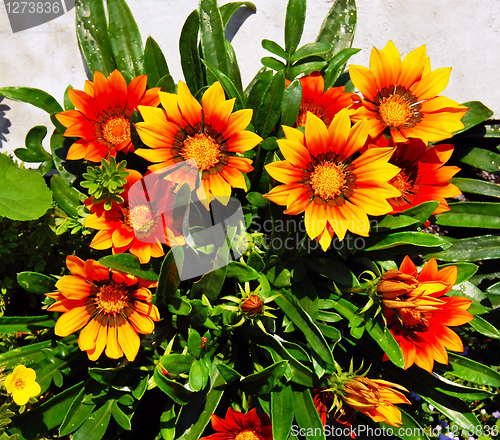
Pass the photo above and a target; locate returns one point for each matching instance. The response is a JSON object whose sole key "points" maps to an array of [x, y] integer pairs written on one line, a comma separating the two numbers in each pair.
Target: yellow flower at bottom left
{"points": [[22, 385]]}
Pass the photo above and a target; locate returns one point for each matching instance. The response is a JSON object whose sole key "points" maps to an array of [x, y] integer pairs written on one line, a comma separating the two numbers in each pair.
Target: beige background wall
{"points": [[463, 34]]}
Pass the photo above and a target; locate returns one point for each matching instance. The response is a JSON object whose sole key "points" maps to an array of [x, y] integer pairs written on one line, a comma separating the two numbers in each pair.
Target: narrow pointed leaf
{"points": [[485, 247], [310, 50], [128, 263], [282, 411], [274, 48], [339, 25], [96, 424], [190, 56], [155, 64], [294, 24], [477, 113], [268, 111], [471, 215], [35, 97], [336, 66], [306, 415], [291, 103], [476, 186]]}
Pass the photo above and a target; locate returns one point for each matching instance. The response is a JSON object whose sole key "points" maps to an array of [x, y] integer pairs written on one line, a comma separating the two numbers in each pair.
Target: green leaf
{"points": [[35, 97], [480, 325], [465, 271], [93, 36], [256, 261], [212, 38], [476, 186], [234, 69], [256, 199], [125, 38], [477, 113], [227, 84], [169, 279], [241, 272], [482, 159], [59, 145], [179, 306], [339, 25], [168, 420], [471, 371], [256, 88], [128, 263], [310, 50], [26, 355], [66, 197], [177, 363], [334, 270], [401, 238], [307, 416], [227, 10], [384, 338], [268, 111], [453, 408], [273, 63], [167, 84], [96, 424], [480, 302], [155, 64], [336, 66], [485, 247], [282, 411], [35, 282], [228, 373], [172, 389], [294, 24], [421, 212], [290, 306], [23, 193], [194, 343], [274, 48], [34, 151], [78, 412], [471, 215], [264, 381], [391, 222], [305, 68], [120, 417], [19, 324], [190, 56], [291, 103], [44, 417], [198, 375], [68, 105]]}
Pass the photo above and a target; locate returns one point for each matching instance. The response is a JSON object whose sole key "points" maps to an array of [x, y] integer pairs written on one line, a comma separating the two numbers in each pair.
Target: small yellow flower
{"points": [[22, 385]]}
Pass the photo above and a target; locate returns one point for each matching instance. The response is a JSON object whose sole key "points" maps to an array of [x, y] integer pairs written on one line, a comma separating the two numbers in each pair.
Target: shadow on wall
{"points": [[236, 21], [4, 122]]}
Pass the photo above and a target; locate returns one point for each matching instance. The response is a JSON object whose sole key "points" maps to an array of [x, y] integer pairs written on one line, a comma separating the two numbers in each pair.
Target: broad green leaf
{"points": [[241, 272], [411, 430], [255, 90], [306, 415], [35, 97], [234, 68], [68, 105], [482, 326], [391, 222], [194, 343], [59, 145], [477, 113], [339, 25], [485, 247], [155, 64], [421, 212], [190, 56], [173, 389], [402, 238], [34, 151], [482, 159], [384, 338], [304, 68], [282, 411], [66, 197], [330, 332], [336, 66], [263, 381], [212, 38], [227, 10], [177, 363], [291, 307], [168, 420], [35, 282], [96, 424], [267, 113], [471, 371], [480, 302], [128, 263], [256, 199], [310, 50], [476, 186], [78, 412], [167, 84], [179, 306], [23, 193], [471, 215], [227, 84], [256, 261], [198, 375], [93, 36], [120, 417], [294, 24], [230, 375], [125, 38], [27, 355], [273, 63], [454, 409], [169, 279], [19, 324], [274, 48], [45, 417], [291, 103]]}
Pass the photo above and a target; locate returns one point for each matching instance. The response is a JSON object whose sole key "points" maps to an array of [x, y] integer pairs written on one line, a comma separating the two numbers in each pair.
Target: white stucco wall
{"points": [[463, 34]]}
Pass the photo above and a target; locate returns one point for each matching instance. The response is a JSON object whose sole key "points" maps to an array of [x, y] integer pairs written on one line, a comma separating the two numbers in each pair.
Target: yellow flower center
{"points": [[314, 109], [402, 182], [247, 434], [327, 180], [411, 317], [20, 384], [116, 130], [395, 110], [142, 218], [112, 298], [203, 149]]}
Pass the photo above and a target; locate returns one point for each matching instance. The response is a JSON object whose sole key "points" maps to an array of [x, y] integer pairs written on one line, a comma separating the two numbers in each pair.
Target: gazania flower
{"points": [[403, 96], [110, 307], [141, 223], [419, 316], [326, 404], [238, 426], [324, 177], [22, 384], [423, 176], [208, 135], [324, 104], [102, 118]]}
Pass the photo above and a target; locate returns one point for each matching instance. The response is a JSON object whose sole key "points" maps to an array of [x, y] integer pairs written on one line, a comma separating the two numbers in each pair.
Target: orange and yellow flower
{"points": [[324, 104], [102, 118], [403, 96], [141, 223], [22, 384], [209, 135], [326, 404], [111, 307], [325, 177], [423, 176], [419, 316], [238, 426]]}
